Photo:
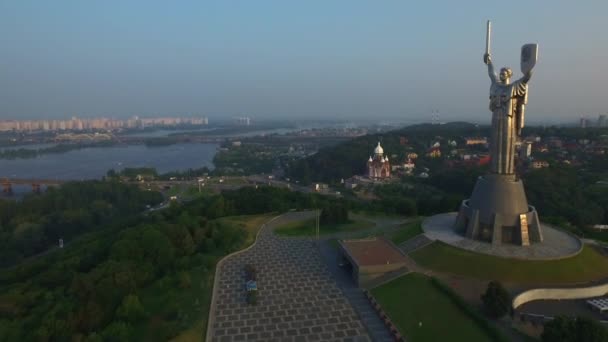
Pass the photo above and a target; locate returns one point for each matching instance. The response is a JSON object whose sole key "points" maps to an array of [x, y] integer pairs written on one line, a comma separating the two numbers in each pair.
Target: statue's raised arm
{"points": [[488, 60], [526, 77]]}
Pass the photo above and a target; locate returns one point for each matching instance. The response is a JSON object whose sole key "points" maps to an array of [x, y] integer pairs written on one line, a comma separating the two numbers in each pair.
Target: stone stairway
{"points": [[375, 327], [414, 243]]}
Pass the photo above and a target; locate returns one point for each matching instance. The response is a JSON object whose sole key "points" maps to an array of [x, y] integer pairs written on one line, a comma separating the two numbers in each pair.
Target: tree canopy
{"points": [[37, 222], [99, 286], [574, 329]]}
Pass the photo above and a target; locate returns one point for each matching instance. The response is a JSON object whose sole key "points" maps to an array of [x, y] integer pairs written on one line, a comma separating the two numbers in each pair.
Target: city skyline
{"points": [[273, 60], [79, 124]]}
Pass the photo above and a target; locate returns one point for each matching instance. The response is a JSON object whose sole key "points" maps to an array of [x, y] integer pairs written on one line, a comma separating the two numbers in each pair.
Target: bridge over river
{"points": [[7, 183]]}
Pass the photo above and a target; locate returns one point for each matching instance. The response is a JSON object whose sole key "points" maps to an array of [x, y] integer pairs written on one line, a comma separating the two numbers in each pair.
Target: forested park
{"points": [[124, 271]]}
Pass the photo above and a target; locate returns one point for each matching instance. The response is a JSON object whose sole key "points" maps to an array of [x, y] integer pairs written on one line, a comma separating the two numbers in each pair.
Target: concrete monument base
{"points": [[556, 244], [498, 212]]}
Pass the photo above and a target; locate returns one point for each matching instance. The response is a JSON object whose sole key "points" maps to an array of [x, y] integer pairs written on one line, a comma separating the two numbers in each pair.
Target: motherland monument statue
{"points": [[498, 211]]}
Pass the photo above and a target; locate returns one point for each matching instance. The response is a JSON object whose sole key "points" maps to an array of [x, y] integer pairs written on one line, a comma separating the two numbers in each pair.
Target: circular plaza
{"points": [[555, 245]]}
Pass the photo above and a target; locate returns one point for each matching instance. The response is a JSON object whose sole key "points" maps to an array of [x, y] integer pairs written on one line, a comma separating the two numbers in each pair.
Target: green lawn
{"points": [[406, 231], [412, 299], [588, 265], [250, 223], [307, 227]]}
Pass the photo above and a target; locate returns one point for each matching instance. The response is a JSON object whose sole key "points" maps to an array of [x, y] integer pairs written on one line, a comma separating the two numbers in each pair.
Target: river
{"points": [[94, 162]]}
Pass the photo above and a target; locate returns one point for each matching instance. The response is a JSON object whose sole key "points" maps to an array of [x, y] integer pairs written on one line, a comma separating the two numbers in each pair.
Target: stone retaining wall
{"points": [[385, 319], [560, 293]]}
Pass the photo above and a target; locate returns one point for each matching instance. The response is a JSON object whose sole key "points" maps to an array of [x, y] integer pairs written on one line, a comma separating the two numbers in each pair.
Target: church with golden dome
{"points": [[378, 166]]}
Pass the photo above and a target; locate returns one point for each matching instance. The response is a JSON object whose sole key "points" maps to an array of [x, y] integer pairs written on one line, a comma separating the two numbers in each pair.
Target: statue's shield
{"points": [[529, 55]]}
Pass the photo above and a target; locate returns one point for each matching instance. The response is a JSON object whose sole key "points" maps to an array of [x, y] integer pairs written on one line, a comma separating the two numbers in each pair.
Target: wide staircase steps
{"points": [[376, 328], [414, 243]]}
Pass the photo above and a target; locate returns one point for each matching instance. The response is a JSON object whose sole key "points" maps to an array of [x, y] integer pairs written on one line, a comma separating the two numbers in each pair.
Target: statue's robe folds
{"points": [[507, 103]]}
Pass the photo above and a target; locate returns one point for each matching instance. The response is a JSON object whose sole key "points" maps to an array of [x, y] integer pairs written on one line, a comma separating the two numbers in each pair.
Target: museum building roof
{"points": [[372, 251]]}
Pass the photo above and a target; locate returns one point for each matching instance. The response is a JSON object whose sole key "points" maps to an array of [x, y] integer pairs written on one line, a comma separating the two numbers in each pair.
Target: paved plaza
{"points": [[298, 299], [556, 244]]}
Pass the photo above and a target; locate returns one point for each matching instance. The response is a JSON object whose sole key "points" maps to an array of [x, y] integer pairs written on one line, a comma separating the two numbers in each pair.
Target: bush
{"points": [[334, 213], [574, 329], [496, 300], [117, 332]]}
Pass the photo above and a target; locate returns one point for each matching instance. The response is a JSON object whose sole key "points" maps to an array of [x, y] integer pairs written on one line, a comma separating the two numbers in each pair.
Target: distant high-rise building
{"points": [[583, 122], [602, 120], [242, 121], [77, 124]]}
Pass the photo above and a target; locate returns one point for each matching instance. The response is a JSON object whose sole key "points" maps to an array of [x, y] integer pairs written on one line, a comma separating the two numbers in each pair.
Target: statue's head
{"points": [[505, 75]]}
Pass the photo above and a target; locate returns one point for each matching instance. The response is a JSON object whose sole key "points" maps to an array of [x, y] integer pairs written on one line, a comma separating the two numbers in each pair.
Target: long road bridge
{"points": [[36, 183]]}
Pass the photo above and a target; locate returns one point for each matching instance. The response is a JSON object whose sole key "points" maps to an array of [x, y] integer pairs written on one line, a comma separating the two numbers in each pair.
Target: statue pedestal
{"points": [[498, 212]]}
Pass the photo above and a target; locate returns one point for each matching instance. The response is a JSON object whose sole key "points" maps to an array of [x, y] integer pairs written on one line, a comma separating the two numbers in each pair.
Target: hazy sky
{"points": [[294, 59]]}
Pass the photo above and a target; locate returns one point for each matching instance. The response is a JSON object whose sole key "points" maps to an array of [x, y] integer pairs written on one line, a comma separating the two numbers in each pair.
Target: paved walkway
{"points": [[376, 328], [556, 244], [298, 299]]}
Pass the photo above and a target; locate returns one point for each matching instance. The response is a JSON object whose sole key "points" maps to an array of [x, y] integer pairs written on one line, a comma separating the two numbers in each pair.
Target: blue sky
{"points": [[288, 59]]}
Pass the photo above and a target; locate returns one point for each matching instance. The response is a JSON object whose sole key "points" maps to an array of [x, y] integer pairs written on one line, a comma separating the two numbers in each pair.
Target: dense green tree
{"points": [[574, 329], [217, 207], [334, 213], [180, 238], [37, 222], [158, 248], [131, 309], [93, 337], [561, 192], [118, 332], [455, 180], [29, 238], [126, 249], [406, 206], [496, 300], [184, 281]]}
